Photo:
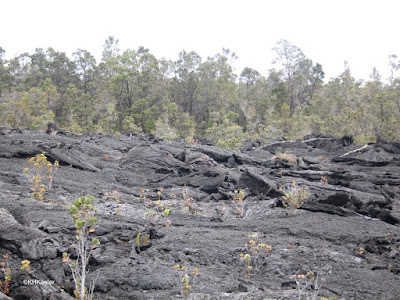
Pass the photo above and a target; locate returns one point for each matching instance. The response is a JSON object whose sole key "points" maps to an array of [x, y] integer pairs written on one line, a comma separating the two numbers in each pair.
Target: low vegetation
{"points": [[83, 214], [6, 270], [295, 195], [141, 241], [114, 196], [308, 286], [185, 280], [255, 255], [40, 174], [238, 202], [285, 156]]}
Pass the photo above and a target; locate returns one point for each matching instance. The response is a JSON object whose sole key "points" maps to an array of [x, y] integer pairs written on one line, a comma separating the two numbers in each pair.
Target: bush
{"points": [[82, 213], [256, 254], [226, 135], [295, 195], [40, 175], [185, 281], [164, 130], [5, 268]]}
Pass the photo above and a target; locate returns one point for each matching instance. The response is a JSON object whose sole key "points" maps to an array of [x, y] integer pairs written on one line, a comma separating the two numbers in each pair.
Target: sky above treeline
{"points": [[363, 33]]}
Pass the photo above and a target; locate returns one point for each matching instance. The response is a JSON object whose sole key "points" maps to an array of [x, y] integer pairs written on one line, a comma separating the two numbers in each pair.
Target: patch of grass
{"points": [[285, 156]]}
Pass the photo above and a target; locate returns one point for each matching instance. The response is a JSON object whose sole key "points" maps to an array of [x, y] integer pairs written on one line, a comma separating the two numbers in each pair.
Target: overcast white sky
{"points": [[363, 32]]}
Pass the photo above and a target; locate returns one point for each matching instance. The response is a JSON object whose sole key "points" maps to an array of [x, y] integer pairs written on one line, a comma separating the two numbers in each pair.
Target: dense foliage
{"points": [[132, 90]]}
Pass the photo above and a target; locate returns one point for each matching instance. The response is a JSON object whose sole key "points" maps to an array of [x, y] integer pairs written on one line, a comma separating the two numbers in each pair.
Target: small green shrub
{"points": [[187, 202], [83, 214], [256, 254], [226, 134], [113, 196], [140, 242], [41, 174], [156, 209], [238, 201], [308, 285], [185, 280], [294, 196], [5, 268], [26, 265], [164, 130], [324, 180]]}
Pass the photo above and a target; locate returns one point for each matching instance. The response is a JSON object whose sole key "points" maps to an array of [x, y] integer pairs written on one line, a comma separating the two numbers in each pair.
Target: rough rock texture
{"points": [[346, 232]]}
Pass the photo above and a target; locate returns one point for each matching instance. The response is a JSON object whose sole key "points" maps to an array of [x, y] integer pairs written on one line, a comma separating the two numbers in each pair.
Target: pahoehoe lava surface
{"points": [[347, 231]]}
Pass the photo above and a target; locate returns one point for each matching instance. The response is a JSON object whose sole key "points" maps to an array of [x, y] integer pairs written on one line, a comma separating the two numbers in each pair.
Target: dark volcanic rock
{"points": [[346, 231], [259, 184]]}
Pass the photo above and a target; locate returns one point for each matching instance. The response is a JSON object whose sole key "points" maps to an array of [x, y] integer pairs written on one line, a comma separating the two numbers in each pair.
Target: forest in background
{"points": [[132, 90]]}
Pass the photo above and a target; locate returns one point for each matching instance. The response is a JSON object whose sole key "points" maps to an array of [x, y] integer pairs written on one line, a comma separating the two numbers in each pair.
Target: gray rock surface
{"points": [[346, 232]]}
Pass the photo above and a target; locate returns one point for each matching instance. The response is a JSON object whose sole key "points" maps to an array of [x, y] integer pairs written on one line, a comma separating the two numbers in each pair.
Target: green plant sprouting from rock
{"points": [[185, 280], [114, 196], [308, 285], [294, 196], [5, 268], [156, 209], [26, 265], [83, 214], [256, 254], [186, 204], [238, 200], [40, 174], [140, 242]]}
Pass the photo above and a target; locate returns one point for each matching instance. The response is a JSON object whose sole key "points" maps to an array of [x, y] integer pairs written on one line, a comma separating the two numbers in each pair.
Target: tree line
{"points": [[132, 90]]}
